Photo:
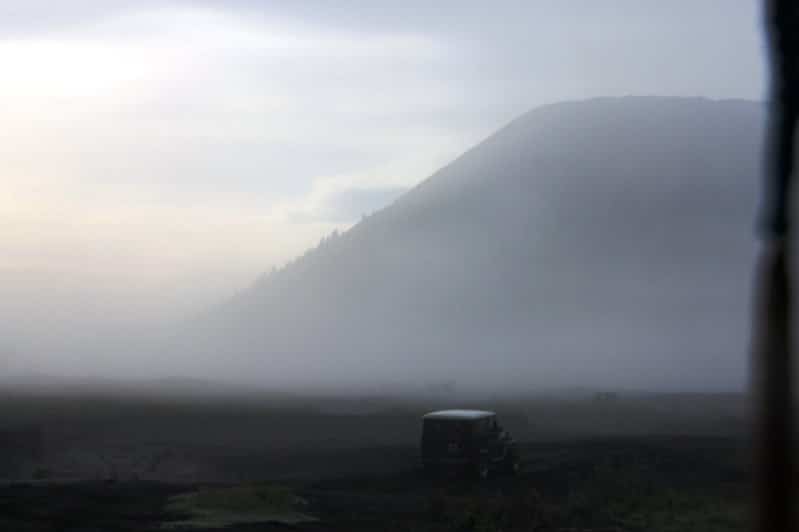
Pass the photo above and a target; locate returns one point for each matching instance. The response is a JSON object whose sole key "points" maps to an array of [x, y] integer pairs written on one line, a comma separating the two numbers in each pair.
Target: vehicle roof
{"points": [[458, 414]]}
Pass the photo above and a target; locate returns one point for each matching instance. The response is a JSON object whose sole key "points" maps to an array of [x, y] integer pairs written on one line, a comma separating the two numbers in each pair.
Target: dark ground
{"points": [[655, 463]]}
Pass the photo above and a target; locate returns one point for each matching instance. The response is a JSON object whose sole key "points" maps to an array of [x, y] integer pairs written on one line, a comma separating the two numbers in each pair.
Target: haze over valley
{"points": [[287, 197], [599, 243]]}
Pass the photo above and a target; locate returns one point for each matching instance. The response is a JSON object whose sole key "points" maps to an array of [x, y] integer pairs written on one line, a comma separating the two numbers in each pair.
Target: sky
{"points": [[157, 156]]}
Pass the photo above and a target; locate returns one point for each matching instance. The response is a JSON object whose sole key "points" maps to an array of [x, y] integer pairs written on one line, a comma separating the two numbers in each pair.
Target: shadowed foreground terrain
{"points": [[592, 462]]}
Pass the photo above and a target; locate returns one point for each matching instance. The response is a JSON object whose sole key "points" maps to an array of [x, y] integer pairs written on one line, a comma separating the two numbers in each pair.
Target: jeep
{"points": [[469, 440]]}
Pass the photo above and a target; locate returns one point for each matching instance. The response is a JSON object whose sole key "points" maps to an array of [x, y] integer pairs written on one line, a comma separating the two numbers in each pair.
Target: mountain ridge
{"points": [[524, 234]]}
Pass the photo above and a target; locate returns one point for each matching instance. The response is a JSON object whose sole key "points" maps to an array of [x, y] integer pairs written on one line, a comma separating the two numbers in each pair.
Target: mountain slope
{"points": [[605, 242]]}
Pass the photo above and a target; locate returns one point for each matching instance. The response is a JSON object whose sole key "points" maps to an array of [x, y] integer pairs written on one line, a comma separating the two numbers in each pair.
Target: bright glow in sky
{"points": [[164, 153]]}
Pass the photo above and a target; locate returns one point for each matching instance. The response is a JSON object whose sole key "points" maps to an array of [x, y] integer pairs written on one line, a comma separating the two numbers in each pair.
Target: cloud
{"points": [[347, 205], [160, 156], [196, 96], [336, 202]]}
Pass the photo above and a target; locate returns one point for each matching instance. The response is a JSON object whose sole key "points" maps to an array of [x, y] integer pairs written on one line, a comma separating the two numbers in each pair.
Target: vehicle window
{"points": [[453, 430]]}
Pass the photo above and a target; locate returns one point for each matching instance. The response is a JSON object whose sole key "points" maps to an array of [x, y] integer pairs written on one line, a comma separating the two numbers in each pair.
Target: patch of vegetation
{"points": [[218, 507], [640, 497], [639, 491], [523, 510], [655, 512]]}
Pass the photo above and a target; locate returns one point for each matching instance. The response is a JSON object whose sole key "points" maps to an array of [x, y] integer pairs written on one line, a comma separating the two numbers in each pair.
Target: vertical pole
{"points": [[772, 369], [773, 394]]}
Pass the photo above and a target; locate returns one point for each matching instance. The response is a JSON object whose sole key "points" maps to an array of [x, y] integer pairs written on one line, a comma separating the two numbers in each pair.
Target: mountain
{"points": [[606, 242]]}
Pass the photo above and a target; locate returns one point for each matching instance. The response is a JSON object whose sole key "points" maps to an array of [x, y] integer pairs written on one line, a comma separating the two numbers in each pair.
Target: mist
{"points": [[272, 196]]}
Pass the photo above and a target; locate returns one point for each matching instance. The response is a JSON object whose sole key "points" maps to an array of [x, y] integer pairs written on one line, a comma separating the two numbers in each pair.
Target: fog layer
{"points": [[603, 243]]}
